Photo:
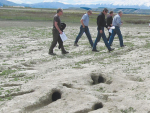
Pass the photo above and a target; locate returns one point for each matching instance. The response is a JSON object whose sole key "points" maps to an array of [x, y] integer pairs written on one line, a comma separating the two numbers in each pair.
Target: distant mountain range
{"points": [[5, 2], [66, 6]]}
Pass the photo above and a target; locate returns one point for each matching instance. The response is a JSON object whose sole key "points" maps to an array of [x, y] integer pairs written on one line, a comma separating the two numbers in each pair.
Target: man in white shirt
{"points": [[117, 23]]}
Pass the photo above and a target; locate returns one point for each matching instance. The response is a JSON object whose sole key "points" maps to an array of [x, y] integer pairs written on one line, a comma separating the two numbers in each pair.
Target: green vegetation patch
{"points": [[129, 110], [7, 72]]}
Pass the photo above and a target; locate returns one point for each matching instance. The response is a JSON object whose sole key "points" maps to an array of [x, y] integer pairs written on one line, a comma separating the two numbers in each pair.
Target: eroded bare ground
{"points": [[82, 81]]}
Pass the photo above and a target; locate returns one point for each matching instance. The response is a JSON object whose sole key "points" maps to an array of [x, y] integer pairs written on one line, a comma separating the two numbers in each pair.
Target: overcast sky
{"points": [[130, 2], [63, 1]]}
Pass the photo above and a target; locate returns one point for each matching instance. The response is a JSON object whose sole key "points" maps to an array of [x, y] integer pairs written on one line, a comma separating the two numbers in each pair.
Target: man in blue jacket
{"points": [[84, 28], [101, 23], [117, 23]]}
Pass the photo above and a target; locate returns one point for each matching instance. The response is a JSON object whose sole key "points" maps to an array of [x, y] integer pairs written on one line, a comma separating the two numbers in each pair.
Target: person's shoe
{"points": [[111, 49], [123, 46], [65, 52], [51, 53], [95, 50], [75, 44]]}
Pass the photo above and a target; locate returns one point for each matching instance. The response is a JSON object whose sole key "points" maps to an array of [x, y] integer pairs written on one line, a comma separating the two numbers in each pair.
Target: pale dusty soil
{"points": [[29, 76]]}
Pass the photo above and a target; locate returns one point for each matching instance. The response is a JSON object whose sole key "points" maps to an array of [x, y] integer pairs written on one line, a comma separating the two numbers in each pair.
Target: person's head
{"points": [[105, 11], [120, 13], [111, 13], [59, 11], [89, 12]]}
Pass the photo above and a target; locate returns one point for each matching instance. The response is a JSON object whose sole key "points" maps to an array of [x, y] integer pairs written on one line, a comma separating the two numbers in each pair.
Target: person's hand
{"points": [[60, 32], [101, 31], [83, 26]]}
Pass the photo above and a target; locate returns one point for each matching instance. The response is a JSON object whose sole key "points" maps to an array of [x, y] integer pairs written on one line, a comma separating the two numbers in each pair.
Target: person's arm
{"points": [[118, 21], [108, 21], [56, 25], [111, 21], [99, 22], [105, 24], [82, 23], [84, 17]]}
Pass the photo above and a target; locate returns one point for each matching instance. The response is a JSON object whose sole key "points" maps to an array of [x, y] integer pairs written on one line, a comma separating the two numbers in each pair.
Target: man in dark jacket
{"points": [[101, 23], [56, 33], [109, 22]]}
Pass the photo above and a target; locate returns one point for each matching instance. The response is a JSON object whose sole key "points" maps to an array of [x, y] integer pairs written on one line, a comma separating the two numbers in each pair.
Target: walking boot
{"points": [[65, 52], [111, 49], [123, 46], [95, 50], [51, 52], [75, 44]]}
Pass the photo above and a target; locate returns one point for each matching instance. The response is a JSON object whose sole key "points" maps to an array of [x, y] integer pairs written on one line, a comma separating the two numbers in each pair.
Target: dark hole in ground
{"points": [[98, 79], [44, 101], [98, 106], [101, 79], [56, 95]]}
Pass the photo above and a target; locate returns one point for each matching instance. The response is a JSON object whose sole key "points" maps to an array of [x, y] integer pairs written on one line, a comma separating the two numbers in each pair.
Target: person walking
{"points": [[56, 31], [101, 23], [109, 22], [117, 23], [84, 28]]}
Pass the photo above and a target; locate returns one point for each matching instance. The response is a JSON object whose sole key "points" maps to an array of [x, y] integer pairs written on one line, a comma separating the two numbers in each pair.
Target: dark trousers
{"points": [[87, 32], [56, 38], [99, 35], [114, 32], [60, 42], [109, 36]]}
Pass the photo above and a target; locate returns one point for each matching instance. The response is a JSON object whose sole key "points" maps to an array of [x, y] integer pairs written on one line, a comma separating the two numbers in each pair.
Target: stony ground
{"points": [[31, 81]]}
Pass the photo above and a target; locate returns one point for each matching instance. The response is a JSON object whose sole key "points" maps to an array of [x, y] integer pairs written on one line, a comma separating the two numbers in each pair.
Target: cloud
{"points": [[49, 0], [15, 1], [115, 2], [26, 1]]}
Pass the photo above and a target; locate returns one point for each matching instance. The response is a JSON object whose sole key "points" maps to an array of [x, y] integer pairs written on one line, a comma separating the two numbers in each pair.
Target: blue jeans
{"points": [[99, 35], [87, 32], [114, 32]]}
